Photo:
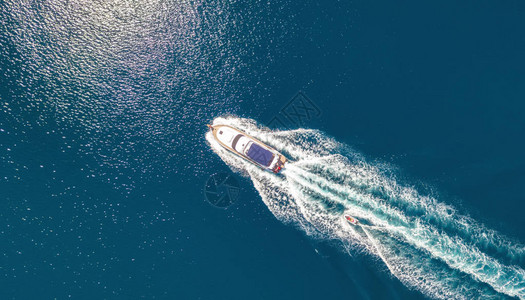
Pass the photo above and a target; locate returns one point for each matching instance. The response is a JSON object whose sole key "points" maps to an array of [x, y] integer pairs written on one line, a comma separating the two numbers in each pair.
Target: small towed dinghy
{"points": [[248, 148], [351, 220]]}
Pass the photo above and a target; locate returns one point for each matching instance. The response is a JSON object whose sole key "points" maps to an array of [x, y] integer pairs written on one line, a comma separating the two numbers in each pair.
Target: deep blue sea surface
{"points": [[104, 160]]}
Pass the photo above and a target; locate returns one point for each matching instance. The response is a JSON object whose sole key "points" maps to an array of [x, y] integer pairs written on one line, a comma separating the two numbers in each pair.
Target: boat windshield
{"points": [[260, 155]]}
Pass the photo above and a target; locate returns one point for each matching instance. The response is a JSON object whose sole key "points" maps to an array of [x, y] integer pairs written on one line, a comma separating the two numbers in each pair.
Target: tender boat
{"points": [[248, 147], [351, 220]]}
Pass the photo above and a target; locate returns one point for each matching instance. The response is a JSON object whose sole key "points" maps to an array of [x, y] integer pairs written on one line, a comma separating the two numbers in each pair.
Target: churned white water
{"points": [[426, 244]]}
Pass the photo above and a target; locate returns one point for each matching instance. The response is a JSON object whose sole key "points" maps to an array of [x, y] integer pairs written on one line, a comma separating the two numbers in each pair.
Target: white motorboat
{"points": [[248, 147]]}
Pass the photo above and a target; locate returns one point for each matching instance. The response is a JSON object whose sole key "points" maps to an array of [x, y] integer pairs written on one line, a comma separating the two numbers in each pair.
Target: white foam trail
{"points": [[373, 182], [424, 243]]}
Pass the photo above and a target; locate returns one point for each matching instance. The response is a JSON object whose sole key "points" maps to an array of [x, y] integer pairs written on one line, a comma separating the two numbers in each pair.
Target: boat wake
{"points": [[426, 244]]}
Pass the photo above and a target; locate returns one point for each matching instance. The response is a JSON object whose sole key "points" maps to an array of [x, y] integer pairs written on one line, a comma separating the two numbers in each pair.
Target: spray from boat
{"points": [[426, 244]]}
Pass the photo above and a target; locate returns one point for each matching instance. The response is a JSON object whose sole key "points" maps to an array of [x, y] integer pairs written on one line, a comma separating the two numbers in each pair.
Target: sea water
{"points": [[426, 244], [104, 161]]}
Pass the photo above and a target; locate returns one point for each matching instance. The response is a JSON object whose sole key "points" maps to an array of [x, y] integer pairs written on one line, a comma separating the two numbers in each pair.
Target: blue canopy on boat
{"points": [[260, 154]]}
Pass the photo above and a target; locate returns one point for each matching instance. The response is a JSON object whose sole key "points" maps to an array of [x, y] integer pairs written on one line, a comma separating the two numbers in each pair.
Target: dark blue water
{"points": [[103, 159]]}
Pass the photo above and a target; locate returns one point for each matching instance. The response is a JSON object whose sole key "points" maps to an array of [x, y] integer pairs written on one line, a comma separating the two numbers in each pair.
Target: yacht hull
{"points": [[248, 148]]}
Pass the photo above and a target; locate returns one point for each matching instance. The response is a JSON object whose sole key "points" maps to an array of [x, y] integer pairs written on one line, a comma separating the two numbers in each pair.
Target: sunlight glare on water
{"points": [[126, 76]]}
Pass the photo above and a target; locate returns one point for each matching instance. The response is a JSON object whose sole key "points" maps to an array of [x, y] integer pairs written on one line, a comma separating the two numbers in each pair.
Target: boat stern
{"points": [[280, 164]]}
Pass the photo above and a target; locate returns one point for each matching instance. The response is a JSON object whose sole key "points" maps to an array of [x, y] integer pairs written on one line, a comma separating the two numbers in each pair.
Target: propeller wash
{"points": [[426, 244]]}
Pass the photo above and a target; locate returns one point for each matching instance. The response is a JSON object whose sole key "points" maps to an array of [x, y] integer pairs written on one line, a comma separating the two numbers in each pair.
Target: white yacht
{"points": [[248, 147]]}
